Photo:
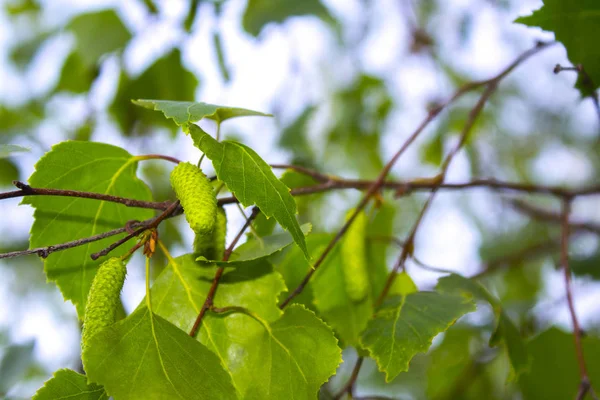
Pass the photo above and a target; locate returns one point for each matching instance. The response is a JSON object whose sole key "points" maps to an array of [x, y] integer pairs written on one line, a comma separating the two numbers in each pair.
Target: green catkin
{"points": [[213, 246], [197, 197], [354, 258], [103, 299]]}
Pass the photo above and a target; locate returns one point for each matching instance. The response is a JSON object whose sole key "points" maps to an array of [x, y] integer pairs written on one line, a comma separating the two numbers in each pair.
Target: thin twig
{"points": [[316, 175], [584, 385], [408, 248], [433, 113], [545, 215], [337, 184], [349, 386], [26, 190], [490, 85], [152, 224], [208, 302], [44, 252]]}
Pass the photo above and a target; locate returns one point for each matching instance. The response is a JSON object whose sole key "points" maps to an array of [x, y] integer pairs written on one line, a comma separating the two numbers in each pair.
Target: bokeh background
{"points": [[347, 81]]}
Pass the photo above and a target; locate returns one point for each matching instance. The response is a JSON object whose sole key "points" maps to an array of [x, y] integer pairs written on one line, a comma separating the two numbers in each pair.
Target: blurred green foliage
{"points": [[348, 129]]}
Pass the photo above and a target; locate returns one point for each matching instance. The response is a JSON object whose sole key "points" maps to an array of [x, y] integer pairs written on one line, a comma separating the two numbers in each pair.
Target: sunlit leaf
{"points": [[185, 112], [405, 325], [252, 181], [250, 347], [85, 166], [68, 384], [144, 356]]}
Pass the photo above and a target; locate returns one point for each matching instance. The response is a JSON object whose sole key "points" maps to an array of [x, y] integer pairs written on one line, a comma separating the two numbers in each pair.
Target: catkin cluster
{"points": [[197, 197], [354, 258], [212, 246], [103, 299]]}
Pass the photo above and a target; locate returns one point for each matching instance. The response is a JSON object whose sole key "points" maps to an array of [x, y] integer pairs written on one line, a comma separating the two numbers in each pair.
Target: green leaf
{"points": [[85, 166], [554, 372], [261, 12], [246, 345], [186, 112], [7, 150], [145, 356], [265, 247], [167, 78], [76, 76], [68, 384], [22, 54], [181, 289], [505, 330], [433, 151], [587, 266], [252, 181], [405, 325], [88, 28], [15, 362], [294, 356], [575, 24]]}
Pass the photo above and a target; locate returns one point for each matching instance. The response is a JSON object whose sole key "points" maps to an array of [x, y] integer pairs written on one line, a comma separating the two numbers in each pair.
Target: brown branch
{"points": [[584, 385], [150, 225], [409, 243], [490, 85], [316, 175], [46, 251], [26, 190], [208, 302], [374, 188], [335, 184], [545, 215]]}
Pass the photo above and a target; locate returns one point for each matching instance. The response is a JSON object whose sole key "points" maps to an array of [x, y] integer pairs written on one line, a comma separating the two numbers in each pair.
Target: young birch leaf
{"points": [[68, 384], [255, 351], [146, 357], [505, 331], [405, 325], [252, 181], [187, 112], [575, 24], [295, 355], [85, 166]]}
